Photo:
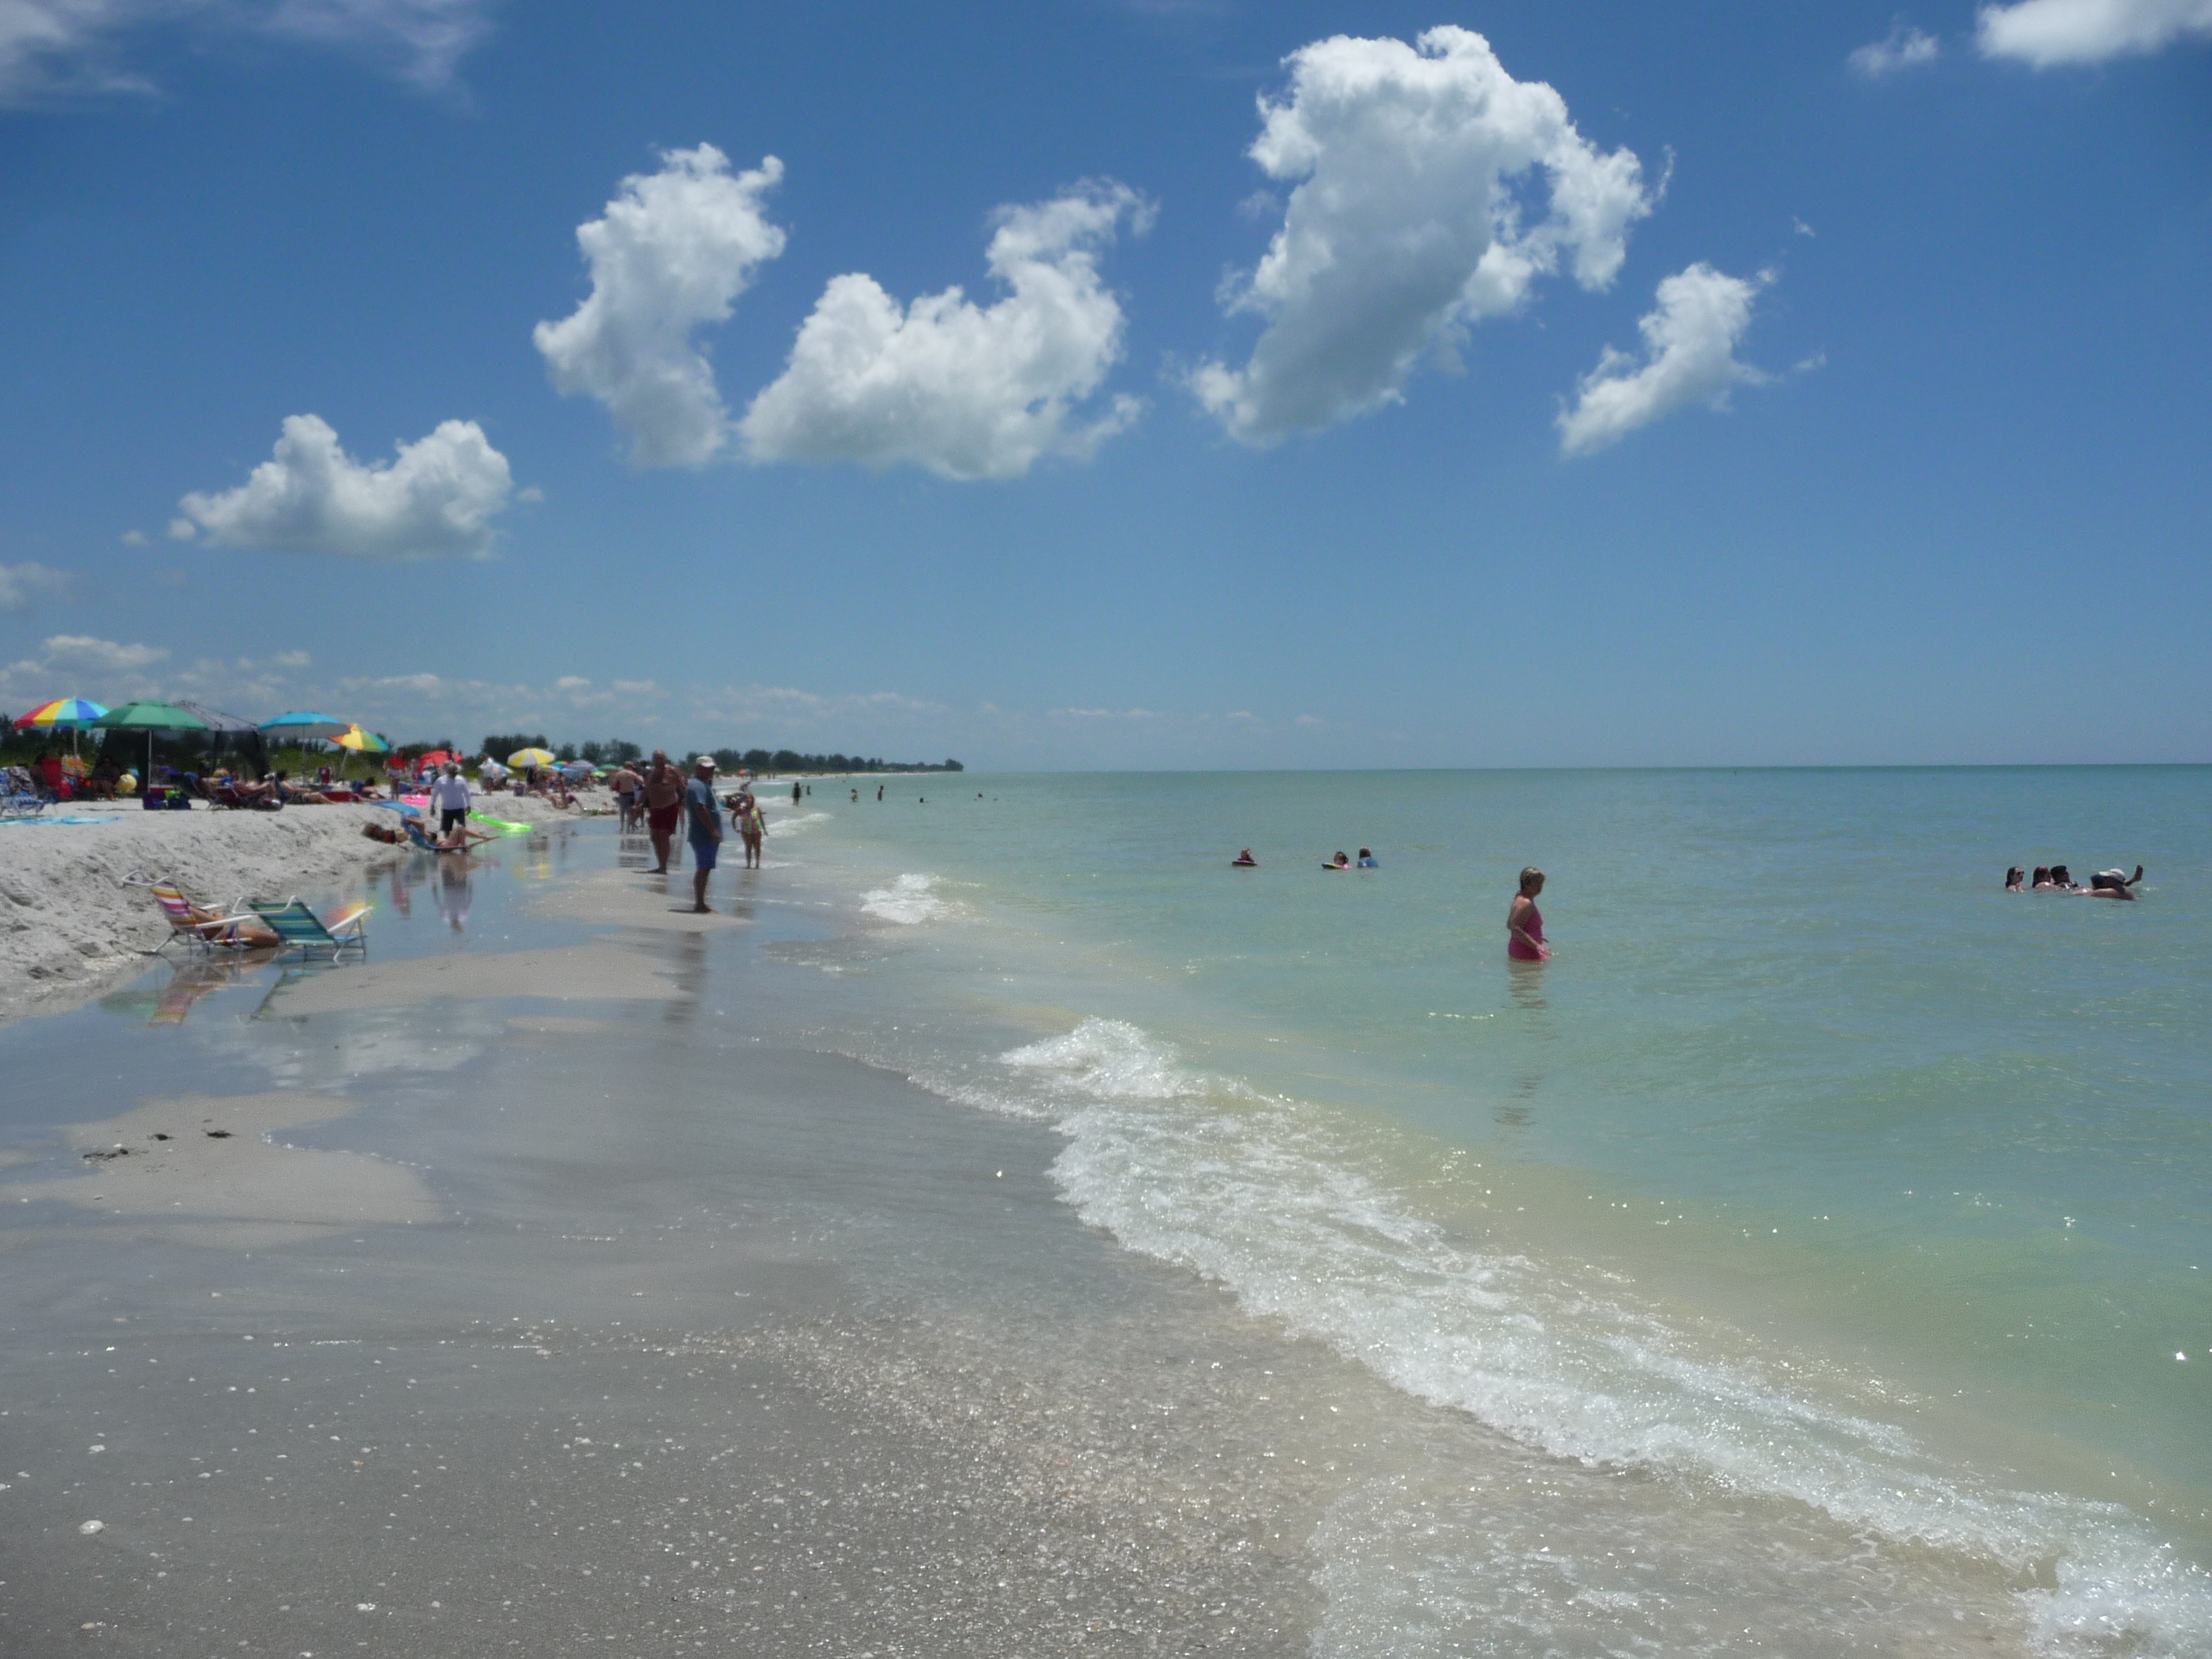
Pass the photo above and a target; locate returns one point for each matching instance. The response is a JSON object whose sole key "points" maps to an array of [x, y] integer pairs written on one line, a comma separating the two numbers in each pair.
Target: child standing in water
{"points": [[1524, 922]]}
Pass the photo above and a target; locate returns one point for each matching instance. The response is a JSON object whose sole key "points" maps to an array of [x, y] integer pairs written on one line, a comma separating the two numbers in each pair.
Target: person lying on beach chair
{"points": [[208, 927], [236, 792]]}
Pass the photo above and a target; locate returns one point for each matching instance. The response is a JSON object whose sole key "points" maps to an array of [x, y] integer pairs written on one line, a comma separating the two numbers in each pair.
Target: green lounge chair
{"points": [[301, 929]]}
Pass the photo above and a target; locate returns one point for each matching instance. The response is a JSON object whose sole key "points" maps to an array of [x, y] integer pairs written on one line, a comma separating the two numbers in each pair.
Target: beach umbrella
{"points": [[71, 714], [301, 723], [362, 741], [149, 718], [528, 757], [63, 712]]}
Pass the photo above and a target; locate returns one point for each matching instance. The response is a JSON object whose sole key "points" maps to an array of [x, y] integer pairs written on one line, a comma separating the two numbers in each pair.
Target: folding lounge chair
{"points": [[196, 923], [230, 795], [301, 929]]}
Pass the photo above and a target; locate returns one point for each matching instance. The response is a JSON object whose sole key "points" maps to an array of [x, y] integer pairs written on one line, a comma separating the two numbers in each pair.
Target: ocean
{"points": [[1815, 1249]]}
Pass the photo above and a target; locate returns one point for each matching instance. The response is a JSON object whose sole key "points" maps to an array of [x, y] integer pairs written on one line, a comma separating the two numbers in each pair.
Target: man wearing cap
{"points": [[449, 799], [706, 829]]}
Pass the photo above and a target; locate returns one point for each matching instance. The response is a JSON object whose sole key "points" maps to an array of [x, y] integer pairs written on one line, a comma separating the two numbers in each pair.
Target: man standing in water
{"points": [[664, 805], [1524, 922], [626, 783], [449, 799], [706, 829]]}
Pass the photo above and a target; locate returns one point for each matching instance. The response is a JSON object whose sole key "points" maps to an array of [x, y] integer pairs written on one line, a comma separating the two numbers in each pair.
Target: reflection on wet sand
{"points": [[187, 984], [456, 889]]}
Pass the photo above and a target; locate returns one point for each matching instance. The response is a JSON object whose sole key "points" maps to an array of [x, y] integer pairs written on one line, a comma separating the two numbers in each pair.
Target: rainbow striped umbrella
{"points": [[66, 714], [362, 741], [70, 715]]}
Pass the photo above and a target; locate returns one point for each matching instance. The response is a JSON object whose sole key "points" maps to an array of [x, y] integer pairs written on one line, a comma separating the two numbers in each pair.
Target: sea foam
{"points": [[908, 901], [1266, 1195]]}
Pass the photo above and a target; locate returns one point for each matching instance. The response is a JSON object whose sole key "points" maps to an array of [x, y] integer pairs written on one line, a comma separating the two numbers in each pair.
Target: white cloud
{"points": [[50, 48], [424, 39], [182, 530], [672, 253], [436, 498], [966, 391], [1903, 47], [134, 538], [1415, 213], [2045, 33], [1689, 357], [81, 651], [20, 584]]}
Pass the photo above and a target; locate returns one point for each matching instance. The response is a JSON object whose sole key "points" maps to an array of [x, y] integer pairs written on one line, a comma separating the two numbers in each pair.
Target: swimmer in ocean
{"points": [[1244, 860], [1524, 922], [2111, 884]]}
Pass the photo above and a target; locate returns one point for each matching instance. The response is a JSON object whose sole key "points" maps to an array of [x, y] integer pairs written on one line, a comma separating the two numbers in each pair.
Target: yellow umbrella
{"points": [[362, 741], [530, 758]]}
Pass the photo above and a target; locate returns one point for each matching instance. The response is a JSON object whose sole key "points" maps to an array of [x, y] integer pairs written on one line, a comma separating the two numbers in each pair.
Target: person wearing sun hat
{"points": [[705, 826]]}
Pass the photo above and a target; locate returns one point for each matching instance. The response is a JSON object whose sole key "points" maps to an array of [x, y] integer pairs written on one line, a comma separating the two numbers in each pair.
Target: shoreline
{"points": [[770, 1354], [70, 931], [988, 1332]]}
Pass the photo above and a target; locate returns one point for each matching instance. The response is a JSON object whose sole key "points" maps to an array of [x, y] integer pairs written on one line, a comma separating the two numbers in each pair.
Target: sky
{"points": [[1121, 383]]}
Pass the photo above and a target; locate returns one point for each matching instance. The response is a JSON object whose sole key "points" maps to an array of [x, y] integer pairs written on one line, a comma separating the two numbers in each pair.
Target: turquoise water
{"points": [[1814, 1180]]}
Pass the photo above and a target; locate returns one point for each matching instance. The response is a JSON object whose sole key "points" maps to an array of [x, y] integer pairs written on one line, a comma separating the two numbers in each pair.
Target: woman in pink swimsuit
{"points": [[1524, 922]]}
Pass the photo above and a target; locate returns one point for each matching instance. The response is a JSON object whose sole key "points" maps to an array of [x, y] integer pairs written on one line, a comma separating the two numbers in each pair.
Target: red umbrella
{"points": [[435, 757]]}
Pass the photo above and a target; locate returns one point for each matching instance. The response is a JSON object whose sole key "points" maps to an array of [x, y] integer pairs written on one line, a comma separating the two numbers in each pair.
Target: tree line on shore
{"points": [[616, 751], [18, 747]]}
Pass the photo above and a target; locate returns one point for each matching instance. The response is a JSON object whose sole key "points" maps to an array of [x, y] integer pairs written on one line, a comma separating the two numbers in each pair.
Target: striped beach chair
{"points": [[301, 929], [196, 924]]}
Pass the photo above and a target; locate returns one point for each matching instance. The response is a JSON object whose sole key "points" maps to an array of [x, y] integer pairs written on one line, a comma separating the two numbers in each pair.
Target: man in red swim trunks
{"points": [[664, 805]]}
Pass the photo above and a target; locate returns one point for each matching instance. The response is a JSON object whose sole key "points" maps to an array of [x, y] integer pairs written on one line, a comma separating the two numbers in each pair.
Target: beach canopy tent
{"points": [[149, 718], [221, 740]]}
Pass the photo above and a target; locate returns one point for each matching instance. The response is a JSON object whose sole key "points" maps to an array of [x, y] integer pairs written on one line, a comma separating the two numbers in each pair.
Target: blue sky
{"points": [[1782, 385]]}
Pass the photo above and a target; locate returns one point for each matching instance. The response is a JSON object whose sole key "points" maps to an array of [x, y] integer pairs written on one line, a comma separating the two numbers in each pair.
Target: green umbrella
{"points": [[149, 718]]}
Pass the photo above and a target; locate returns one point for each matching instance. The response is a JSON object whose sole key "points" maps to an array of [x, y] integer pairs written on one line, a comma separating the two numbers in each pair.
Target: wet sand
{"points": [[637, 1333]]}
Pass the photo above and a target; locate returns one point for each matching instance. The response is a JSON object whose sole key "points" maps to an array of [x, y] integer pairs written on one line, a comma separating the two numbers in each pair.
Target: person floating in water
{"points": [[2111, 884], [1244, 860], [2013, 878], [1341, 861], [1524, 922], [1368, 861]]}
